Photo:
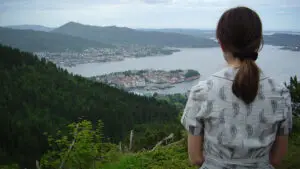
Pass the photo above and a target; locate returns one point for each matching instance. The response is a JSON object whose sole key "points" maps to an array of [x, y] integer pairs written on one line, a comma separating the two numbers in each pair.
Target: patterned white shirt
{"points": [[237, 135]]}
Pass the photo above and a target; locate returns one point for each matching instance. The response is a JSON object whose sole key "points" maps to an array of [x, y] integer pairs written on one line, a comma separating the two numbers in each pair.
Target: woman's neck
{"points": [[234, 65], [232, 62]]}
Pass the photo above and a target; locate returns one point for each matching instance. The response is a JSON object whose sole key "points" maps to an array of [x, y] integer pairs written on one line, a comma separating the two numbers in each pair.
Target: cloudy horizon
{"points": [[192, 14]]}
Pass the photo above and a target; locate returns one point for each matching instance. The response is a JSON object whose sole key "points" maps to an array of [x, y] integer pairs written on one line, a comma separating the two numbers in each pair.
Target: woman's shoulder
{"points": [[274, 86], [199, 91], [215, 81]]}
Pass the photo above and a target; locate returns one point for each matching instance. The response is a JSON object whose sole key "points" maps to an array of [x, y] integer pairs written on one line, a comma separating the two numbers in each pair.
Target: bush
{"points": [[80, 148], [191, 73]]}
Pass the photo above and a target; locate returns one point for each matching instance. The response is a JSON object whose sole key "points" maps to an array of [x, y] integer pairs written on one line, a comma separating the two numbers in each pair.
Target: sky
{"points": [[195, 14]]}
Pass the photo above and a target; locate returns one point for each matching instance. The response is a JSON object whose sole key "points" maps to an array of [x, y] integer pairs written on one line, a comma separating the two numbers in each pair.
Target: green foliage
{"points": [[294, 88], [178, 100], [147, 136], [173, 156], [191, 73], [79, 149], [292, 159], [37, 97], [12, 166]]}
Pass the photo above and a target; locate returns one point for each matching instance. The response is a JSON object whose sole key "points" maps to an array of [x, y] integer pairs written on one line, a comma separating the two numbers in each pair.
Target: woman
{"points": [[238, 118]]}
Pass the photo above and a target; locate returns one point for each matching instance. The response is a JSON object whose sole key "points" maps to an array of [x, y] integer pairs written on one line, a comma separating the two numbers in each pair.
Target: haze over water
{"points": [[279, 64]]}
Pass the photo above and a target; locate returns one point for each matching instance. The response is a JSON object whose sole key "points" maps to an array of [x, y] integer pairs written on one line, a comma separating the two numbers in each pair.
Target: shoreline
{"points": [[104, 55], [148, 80], [283, 48]]}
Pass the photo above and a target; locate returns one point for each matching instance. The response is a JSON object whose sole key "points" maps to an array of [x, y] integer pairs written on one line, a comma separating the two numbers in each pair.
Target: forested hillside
{"points": [[39, 41], [37, 98]]}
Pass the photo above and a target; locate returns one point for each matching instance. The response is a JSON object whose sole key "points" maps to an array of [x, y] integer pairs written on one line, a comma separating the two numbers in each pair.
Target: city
{"points": [[91, 55], [149, 80]]}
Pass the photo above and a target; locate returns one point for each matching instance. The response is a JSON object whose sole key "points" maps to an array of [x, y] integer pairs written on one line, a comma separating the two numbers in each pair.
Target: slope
{"points": [[37, 97], [123, 35], [38, 41], [31, 27]]}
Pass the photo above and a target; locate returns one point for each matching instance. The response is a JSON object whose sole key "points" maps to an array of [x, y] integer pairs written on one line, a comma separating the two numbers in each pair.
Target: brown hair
{"points": [[240, 32]]}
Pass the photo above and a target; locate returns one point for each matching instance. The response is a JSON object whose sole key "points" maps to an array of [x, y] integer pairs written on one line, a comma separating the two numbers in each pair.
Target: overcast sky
{"points": [[200, 14]]}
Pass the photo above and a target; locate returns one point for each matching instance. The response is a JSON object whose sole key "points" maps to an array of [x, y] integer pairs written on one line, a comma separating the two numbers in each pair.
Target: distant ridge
{"points": [[123, 35], [288, 40], [38, 41], [31, 27], [282, 39]]}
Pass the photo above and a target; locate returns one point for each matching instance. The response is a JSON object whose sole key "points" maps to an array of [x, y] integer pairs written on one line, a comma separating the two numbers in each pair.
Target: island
{"points": [[148, 79]]}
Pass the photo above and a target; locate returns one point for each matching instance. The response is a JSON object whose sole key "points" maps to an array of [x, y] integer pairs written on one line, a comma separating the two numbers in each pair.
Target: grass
{"points": [[174, 156]]}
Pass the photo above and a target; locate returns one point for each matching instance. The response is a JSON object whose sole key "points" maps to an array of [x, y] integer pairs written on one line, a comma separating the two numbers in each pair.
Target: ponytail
{"points": [[246, 83], [239, 32]]}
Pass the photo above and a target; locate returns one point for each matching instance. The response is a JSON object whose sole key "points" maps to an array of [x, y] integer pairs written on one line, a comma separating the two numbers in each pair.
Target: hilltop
{"points": [[285, 39], [123, 35]]}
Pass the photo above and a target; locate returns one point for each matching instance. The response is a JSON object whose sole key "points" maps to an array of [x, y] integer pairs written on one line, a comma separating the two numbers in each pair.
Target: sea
{"points": [[274, 62]]}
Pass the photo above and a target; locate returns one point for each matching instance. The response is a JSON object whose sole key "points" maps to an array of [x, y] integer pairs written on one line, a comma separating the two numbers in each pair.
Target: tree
{"points": [[191, 73], [80, 148], [294, 88], [37, 97]]}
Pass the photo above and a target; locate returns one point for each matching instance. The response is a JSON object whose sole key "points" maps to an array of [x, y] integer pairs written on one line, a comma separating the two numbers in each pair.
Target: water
{"points": [[279, 64]]}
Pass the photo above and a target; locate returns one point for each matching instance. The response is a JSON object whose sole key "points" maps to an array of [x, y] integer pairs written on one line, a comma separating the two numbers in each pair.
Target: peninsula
{"points": [[150, 80]]}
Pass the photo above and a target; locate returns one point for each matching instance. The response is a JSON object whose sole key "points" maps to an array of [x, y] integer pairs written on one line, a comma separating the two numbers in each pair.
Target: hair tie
{"points": [[246, 55]]}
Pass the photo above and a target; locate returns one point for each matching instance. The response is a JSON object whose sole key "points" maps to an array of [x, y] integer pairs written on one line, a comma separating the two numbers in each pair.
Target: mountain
{"points": [[287, 39], [123, 35], [193, 32], [36, 41], [31, 27], [37, 98], [282, 39]]}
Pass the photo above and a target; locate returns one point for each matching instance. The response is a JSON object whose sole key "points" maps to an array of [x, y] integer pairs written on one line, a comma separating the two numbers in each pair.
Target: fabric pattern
{"points": [[237, 135]]}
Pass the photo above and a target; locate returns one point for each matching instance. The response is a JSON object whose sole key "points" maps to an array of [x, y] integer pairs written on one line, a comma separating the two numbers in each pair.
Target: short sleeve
{"points": [[285, 126], [192, 119]]}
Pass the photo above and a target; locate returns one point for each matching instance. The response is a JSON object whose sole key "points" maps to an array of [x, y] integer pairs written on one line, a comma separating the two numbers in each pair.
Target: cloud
{"points": [[144, 13], [57, 4], [157, 1]]}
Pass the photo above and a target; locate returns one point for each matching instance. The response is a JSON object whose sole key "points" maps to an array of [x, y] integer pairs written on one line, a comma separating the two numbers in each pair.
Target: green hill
{"points": [[37, 97], [123, 35], [38, 41]]}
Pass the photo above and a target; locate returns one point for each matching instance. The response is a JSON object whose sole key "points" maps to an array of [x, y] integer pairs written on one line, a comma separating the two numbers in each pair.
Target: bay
{"points": [[277, 63]]}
